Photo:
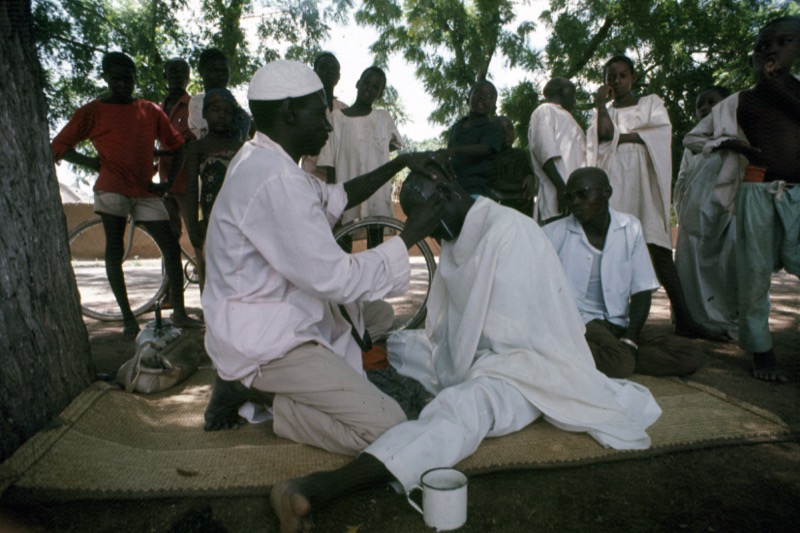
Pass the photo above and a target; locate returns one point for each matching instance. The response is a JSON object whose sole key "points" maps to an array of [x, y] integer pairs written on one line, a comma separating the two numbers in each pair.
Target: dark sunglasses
{"points": [[580, 194]]}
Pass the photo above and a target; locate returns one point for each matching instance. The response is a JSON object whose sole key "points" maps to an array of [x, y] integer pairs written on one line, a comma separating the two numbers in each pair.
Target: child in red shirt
{"points": [[123, 130]]}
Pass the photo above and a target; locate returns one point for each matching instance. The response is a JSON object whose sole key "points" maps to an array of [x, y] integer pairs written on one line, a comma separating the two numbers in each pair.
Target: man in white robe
{"points": [[277, 282], [500, 349], [557, 144]]}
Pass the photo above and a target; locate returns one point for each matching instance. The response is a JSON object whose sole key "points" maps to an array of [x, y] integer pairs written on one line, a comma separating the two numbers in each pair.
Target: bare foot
{"points": [[222, 411], [291, 506], [765, 367], [130, 327], [186, 322]]}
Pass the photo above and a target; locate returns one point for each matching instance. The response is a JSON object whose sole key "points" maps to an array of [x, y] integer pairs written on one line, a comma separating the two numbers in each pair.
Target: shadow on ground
{"points": [[740, 488]]}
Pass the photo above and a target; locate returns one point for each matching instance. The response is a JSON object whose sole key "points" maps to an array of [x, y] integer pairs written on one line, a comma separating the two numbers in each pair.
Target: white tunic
{"points": [[309, 162], [488, 317], [640, 174], [554, 133], [359, 145], [274, 273]]}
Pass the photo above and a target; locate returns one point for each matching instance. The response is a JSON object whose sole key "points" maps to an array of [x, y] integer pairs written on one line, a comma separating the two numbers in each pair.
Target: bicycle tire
{"points": [[142, 266], [410, 309]]}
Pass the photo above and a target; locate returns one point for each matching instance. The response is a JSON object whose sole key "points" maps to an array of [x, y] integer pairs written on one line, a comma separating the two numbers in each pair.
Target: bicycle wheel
{"points": [[142, 265], [190, 269], [409, 308]]}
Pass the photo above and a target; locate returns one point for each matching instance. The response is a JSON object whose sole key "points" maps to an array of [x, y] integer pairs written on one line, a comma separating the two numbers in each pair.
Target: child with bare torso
{"points": [[207, 162], [768, 201]]}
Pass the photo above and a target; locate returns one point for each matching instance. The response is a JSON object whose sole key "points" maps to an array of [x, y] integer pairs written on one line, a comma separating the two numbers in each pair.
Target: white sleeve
{"points": [[286, 225]]}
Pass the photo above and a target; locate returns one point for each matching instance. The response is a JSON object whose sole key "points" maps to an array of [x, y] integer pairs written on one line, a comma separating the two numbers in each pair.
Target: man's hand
{"points": [[528, 186], [423, 221], [432, 164], [602, 95], [740, 147]]}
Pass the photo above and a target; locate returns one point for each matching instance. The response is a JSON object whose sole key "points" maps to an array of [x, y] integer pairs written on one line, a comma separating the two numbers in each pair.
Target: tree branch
{"points": [[598, 38]]}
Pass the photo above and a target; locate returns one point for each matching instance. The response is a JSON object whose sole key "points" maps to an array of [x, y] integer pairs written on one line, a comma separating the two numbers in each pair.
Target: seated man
{"points": [[282, 300], [607, 264], [500, 349]]}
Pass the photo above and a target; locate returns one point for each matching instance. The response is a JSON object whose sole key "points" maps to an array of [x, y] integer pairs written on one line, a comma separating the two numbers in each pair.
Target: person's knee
{"points": [[390, 415], [614, 363]]}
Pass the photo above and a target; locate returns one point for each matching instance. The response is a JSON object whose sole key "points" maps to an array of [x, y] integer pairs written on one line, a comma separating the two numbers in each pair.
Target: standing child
{"points": [[475, 140], [705, 255], [761, 125], [630, 139], [557, 145], [327, 67], [123, 130], [215, 74], [360, 142], [207, 162]]}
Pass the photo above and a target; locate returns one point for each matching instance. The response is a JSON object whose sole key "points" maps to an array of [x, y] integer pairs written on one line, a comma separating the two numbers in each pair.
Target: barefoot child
{"points": [[123, 130], [207, 162], [705, 253], [761, 124], [361, 140], [630, 139]]}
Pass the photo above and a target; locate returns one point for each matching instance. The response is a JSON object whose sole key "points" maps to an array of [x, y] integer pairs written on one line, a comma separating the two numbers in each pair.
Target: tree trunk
{"points": [[44, 348]]}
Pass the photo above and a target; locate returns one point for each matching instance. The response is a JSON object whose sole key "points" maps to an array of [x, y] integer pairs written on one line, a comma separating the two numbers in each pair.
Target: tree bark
{"points": [[44, 348]]}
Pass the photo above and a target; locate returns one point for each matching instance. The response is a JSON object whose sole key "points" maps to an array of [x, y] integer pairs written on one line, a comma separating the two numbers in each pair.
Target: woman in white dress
{"points": [[630, 139]]}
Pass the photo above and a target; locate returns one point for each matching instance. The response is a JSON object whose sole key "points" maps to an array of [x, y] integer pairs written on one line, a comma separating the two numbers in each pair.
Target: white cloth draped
{"points": [[500, 307], [553, 133], [705, 196], [640, 174]]}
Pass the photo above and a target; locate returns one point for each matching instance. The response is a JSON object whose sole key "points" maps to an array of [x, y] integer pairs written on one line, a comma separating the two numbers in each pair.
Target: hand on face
{"points": [[602, 95], [776, 50], [619, 78]]}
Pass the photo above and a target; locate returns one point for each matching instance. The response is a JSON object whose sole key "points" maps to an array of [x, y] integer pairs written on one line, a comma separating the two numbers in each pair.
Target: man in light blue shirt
{"points": [[605, 257]]}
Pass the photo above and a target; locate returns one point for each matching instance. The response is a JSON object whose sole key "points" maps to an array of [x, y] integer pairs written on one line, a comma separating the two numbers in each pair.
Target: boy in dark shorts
{"points": [[123, 130]]}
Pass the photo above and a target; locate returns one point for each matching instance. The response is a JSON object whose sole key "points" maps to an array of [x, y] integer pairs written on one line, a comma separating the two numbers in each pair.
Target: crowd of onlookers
{"points": [[529, 314]]}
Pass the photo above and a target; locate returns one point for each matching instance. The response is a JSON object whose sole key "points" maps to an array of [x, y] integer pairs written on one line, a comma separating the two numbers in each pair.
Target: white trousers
{"points": [[451, 428]]}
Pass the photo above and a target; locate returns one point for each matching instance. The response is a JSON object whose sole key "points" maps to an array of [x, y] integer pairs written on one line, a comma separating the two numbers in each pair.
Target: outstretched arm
{"points": [[362, 187]]}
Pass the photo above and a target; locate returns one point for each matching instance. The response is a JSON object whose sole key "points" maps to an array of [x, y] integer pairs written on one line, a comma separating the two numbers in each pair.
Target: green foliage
{"points": [[518, 104], [452, 43], [72, 36], [679, 46]]}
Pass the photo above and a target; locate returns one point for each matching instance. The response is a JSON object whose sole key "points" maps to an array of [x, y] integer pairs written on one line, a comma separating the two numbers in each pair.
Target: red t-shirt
{"points": [[124, 136]]}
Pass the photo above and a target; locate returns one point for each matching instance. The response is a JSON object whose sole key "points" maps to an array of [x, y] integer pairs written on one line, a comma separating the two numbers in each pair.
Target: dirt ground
{"points": [[751, 488]]}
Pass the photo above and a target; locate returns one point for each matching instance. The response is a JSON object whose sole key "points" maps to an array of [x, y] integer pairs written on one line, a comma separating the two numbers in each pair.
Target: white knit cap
{"points": [[283, 79]]}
